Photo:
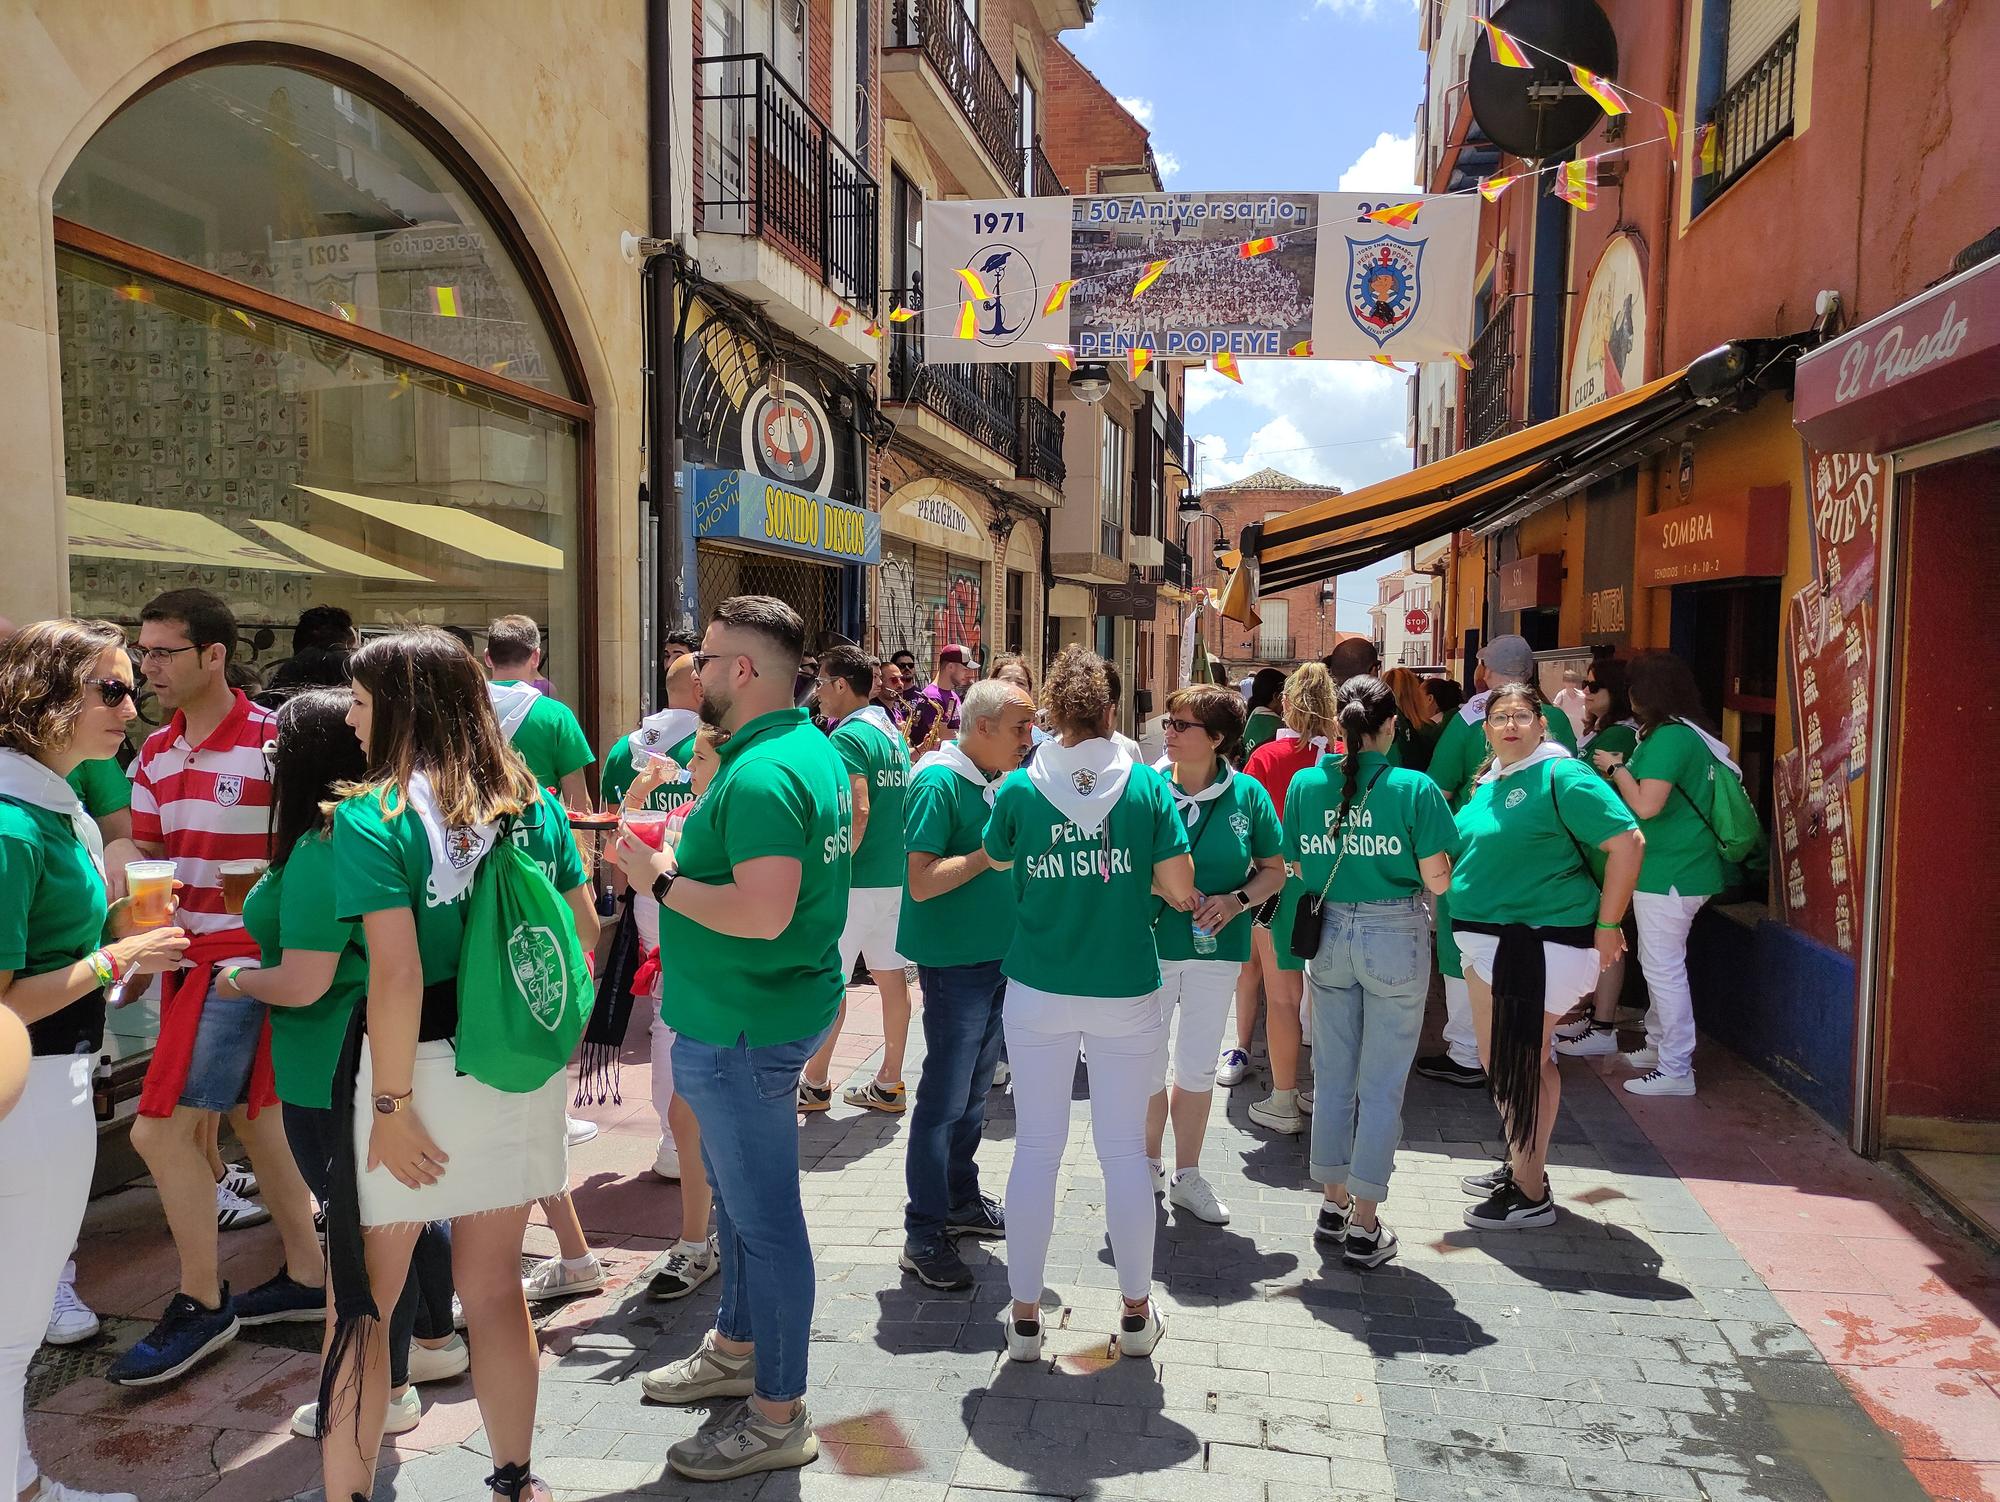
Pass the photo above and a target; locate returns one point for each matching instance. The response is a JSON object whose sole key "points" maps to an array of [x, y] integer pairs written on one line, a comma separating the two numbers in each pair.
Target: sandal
{"points": [[876, 1096], [515, 1481]]}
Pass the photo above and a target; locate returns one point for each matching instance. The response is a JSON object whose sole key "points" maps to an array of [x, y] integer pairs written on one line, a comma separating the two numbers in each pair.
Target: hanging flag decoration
{"points": [[1458, 358], [1507, 51], [1303, 350], [243, 318], [973, 284], [968, 320], [872, 329], [1398, 215], [134, 292], [1058, 295], [499, 367], [1490, 188], [1673, 133], [1704, 148], [901, 315], [1225, 365], [1150, 276], [1385, 360], [1576, 184], [402, 384], [1062, 354], [1252, 248], [344, 309], [840, 319], [1141, 358], [445, 301], [1601, 89]]}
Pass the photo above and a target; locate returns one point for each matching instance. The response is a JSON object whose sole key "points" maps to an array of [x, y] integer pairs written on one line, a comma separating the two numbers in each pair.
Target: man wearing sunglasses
{"points": [[201, 795]]}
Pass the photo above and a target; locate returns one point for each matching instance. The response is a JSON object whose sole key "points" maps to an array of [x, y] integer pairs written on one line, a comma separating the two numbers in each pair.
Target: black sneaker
{"points": [[279, 1300], [1508, 1209], [935, 1264], [1442, 1066], [186, 1333], [1480, 1185], [983, 1217], [1368, 1248], [1332, 1222]]}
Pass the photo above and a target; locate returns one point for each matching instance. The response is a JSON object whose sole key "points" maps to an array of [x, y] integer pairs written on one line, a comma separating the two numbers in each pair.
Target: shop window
{"points": [[1017, 611], [1114, 474]]}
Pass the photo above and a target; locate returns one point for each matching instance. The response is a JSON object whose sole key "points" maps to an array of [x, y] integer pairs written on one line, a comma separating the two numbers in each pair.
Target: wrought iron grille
{"points": [[1045, 183], [977, 399], [1487, 395], [1039, 454], [944, 33], [1755, 113]]}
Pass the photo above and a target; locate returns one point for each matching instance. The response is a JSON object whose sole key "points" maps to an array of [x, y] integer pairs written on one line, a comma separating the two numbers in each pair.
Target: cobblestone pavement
{"points": [[1630, 1351]]}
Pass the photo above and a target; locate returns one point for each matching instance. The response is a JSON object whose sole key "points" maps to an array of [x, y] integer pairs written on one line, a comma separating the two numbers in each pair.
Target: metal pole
{"points": [[672, 608]]}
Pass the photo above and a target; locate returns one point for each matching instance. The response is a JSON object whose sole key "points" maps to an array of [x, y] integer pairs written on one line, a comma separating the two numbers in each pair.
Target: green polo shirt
{"points": [[883, 763], [291, 908], [973, 923], [550, 740], [618, 775], [1621, 738], [1518, 860], [383, 861], [1262, 726], [102, 785], [1229, 832], [781, 790], [1398, 818], [1681, 853], [1462, 750], [52, 902], [1083, 930]]}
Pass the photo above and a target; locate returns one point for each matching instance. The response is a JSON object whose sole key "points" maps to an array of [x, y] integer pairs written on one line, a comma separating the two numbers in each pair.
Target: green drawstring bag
{"points": [[524, 988]]}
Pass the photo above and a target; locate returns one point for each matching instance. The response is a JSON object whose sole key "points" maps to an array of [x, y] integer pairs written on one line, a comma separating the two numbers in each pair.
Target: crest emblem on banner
{"points": [[1384, 285], [1006, 316], [229, 789]]}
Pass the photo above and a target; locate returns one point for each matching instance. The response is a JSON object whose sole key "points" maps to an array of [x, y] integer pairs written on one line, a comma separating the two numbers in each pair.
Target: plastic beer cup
{"points": [[150, 884], [648, 826], [238, 877]]}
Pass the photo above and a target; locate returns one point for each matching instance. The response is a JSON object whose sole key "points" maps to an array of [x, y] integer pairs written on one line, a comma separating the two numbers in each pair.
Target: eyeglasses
{"points": [[1178, 725], [114, 691], [1519, 720], [152, 655]]}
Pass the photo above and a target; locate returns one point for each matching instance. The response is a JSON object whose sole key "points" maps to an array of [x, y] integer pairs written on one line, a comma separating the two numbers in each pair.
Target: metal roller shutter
{"points": [[1753, 26], [927, 598]]}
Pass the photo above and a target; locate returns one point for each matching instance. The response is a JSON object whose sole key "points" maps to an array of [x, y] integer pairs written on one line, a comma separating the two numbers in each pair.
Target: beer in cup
{"points": [[150, 885], [238, 877]]}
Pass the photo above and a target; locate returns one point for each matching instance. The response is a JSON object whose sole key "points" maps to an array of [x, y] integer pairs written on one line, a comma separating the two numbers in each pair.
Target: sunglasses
{"points": [[703, 659], [114, 691], [1590, 687]]}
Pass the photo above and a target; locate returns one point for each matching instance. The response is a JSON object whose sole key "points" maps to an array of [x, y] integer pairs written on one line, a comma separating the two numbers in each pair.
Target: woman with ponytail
{"points": [[1367, 838], [1534, 930]]}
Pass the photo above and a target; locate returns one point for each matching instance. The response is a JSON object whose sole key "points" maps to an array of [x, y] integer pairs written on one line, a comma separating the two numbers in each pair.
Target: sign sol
{"points": [[1734, 537]]}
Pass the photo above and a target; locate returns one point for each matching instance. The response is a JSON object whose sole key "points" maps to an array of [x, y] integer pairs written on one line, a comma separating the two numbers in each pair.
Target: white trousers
{"points": [[1123, 1036], [48, 1146], [1664, 920], [663, 1073], [1195, 997], [1461, 1042]]}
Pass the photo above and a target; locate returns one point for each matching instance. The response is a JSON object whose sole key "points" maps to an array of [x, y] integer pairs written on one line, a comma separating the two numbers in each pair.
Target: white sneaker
{"points": [[553, 1279], [1003, 1075], [1138, 1334], [54, 1491], [1193, 1193], [1587, 1042], [233, 1212], [404, 1414], [1160, 1177], [1234, 1065], [238, 1179], [1655, 1083], [577, 1131], [667, 1161], [1024, 1338], [1643, 1059], [70, 1319], [438, 1363], [1269, 1115], [1305, 1099]]}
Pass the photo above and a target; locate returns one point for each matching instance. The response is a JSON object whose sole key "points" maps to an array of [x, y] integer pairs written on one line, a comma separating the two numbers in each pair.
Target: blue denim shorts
{"points": [[225, 1046]]}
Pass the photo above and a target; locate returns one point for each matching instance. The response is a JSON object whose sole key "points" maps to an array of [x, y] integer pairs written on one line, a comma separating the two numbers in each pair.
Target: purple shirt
{"points": [[931, 705]]}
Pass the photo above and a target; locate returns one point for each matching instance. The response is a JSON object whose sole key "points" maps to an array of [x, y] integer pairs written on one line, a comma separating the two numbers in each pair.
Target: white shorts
{"points": [[872, 916], [1195, 997], [1572, 972]]}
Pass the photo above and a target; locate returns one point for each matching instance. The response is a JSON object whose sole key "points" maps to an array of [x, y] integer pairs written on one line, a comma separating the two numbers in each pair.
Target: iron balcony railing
{"points": [[1043, 182], [944, 33], [1176, 568], [1176, 442], [1275, 646], [1487, 388], [977, 399], [1038, 451], [1755, 113], [768, 166]]}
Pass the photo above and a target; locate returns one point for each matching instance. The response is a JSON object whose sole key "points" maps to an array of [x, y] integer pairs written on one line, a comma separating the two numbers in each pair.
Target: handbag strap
{"points": [[1340, 844], [1555, 802]]}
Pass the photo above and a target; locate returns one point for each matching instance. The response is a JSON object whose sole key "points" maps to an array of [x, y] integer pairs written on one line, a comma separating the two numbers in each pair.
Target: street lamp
{"points": [[1191, 514], [1088, 383]]}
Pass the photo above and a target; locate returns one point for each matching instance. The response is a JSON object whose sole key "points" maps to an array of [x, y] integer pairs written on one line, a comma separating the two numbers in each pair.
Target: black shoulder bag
{"points": [[1306, 920]]}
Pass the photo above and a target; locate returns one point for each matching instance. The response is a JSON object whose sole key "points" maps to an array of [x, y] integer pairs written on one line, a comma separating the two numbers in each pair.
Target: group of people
{"points": [[1057, 897]]}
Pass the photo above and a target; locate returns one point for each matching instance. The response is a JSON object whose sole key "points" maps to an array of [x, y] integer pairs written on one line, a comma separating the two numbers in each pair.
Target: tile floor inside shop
{"points": [[1732, 1307]]}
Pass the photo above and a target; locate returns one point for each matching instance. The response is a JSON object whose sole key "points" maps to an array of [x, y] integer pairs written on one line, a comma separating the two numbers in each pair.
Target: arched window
{"points": [[305, 361]]}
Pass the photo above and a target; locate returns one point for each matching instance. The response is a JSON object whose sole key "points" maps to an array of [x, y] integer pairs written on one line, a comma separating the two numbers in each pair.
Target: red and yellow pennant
{"points": [[1705, 154], [1252, 248], [972, 283], [968, 320], [1141, 357], [1600, 88], [1400, 215], [1507, 52], [1576, 184], [243, 318], [841, 318], [1385, 360], [1490, 188], [1459, 359], [1150, 276], [1058, 295], [1302, 350], [444, 301], [1673, 133], [1063, 354], [1225, 365], [901, 315], [872, 329]]}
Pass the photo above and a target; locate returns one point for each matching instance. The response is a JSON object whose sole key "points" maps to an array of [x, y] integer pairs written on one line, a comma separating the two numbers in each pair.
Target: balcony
{"points": [[967, 411], [1174, 444], [1755, 113], [1488, 395], [1276, 646], [1039, 469], [1042, 179], [941, 78]]}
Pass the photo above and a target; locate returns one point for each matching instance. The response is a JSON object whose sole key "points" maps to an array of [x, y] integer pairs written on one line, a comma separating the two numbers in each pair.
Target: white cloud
{"points": [[1168, 163], [1139, 109], [1386, 167], [1355, 7]]}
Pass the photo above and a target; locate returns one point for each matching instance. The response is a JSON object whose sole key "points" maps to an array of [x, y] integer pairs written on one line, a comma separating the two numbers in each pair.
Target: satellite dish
{"points": [[1540, 114]]}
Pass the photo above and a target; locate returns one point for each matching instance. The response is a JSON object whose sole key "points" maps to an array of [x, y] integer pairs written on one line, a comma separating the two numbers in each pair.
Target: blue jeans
{"points": [[1369, 981], [747, 1102], [961, 1019]]}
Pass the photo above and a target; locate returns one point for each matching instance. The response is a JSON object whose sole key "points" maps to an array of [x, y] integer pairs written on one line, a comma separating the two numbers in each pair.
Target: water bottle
{"points": [[1204, 939]]}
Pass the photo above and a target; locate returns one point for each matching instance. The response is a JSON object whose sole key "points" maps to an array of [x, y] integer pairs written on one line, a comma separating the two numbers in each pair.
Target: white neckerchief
{"points": [[1084, 781], [875, 716], [953, 756], [455, 853], [1546, 751], [511, 702], [1588, 741], [660, 730], [1189, 804], [1289, 734], [1715, 747], [1475, 707], [25, 779]]}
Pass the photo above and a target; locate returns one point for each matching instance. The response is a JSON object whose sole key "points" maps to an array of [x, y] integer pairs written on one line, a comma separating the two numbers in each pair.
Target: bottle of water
{"points": [[1204, 939]]}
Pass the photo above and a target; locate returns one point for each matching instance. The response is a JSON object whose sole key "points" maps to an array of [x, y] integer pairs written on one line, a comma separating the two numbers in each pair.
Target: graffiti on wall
{"points": [[924, 603]]}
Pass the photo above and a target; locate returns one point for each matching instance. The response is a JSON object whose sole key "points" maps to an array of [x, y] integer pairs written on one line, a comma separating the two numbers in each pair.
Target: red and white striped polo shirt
{"points": [[206, 804]]}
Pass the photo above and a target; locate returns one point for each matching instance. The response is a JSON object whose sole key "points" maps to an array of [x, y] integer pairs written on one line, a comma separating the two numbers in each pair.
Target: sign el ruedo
{"points": [[1733, 537]]}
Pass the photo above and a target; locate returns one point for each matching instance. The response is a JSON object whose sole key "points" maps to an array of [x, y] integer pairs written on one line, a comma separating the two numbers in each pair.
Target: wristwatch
{"points": [[663, 883], [389, 1105], [1241, 896]]}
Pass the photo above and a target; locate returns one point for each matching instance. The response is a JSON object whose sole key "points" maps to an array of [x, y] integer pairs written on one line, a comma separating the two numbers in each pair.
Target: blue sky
{"points": [[1278, 94]]}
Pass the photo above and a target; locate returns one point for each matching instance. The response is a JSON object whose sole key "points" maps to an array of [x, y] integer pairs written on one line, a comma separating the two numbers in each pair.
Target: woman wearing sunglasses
{"points": [[1233, 835], [65, 698], [1608, 725]]}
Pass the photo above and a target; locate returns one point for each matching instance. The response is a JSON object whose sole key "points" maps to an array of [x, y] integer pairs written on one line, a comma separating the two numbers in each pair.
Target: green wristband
{"points": [[1615, 926]]}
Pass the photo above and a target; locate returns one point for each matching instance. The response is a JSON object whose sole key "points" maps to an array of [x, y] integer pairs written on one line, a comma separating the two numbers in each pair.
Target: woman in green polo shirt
{"points": [[1233, 837], [1090, 836], [65, 697], [1370, 838], [1266, 717], [1668, 780], [1608, 726], [1533, 929]]}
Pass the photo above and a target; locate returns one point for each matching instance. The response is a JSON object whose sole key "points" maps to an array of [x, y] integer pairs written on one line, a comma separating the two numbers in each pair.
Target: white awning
{"points": [[466, 531], [335, 558], [161, 534]]}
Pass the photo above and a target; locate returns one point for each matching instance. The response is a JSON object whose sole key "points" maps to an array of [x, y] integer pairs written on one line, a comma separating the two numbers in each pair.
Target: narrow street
{"points": [[1732, 1307]]}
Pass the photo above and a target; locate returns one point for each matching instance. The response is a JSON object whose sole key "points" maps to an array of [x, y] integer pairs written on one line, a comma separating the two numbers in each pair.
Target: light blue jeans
{"points": [[1368, 982]]}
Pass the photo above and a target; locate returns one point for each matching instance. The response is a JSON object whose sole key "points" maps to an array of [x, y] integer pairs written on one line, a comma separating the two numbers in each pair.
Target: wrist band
{"points": [[102, 968], [228, 977], [1620, 927]]}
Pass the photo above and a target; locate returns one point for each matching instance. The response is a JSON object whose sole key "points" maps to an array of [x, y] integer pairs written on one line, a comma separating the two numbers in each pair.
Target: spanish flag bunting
{"points": [[1458, 358], [445, 300], [1673, 133], [1141, 358], [1704, 148], [1062, 354], [1058, 295], [1385, 360], [1490, 188], [840, 319], [243, 318], [872, 329], [135, 292], [968, 320], [1225, 365], [1507, 52], [1400, 215], [1302, 350], [1152, 275], [901, 315], [1250, 248], [973, 284], [1576, 184], [1600, 88]]}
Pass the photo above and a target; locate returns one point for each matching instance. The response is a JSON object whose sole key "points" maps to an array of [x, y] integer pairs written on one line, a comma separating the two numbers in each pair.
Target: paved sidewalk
{"points": [[1631, 1351]]}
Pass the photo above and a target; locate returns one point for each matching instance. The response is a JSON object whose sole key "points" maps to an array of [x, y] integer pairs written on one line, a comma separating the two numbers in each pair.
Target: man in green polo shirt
{"points": [[753, 899], [542, 729]]}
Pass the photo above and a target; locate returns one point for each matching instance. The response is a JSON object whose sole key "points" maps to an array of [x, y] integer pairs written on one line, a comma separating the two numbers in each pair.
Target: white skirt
{"points": [[503, 1149], [1571, 972]]}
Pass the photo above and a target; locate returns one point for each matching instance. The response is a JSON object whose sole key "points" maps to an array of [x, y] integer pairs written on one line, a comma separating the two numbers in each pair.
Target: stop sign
{"points": [[1417, 622]]}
